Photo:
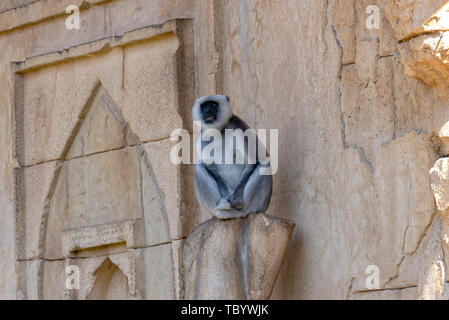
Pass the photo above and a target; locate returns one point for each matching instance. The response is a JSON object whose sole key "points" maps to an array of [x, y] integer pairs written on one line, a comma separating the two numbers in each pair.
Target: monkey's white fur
{"points": [[223, 116]]}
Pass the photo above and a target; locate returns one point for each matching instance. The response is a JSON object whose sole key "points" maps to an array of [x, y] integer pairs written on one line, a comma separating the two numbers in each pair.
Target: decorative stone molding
{"points": [[38, 11], [130, 232]]}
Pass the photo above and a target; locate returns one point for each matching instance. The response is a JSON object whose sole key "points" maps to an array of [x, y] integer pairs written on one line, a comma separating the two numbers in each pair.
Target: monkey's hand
{"points": [[236, 200], [225, 211], [223, 205]]}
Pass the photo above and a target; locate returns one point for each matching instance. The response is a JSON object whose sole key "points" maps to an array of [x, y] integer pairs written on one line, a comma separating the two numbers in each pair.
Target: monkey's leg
{"points": [[257, 192], [256, 196], [236, 197], [210, 192]]}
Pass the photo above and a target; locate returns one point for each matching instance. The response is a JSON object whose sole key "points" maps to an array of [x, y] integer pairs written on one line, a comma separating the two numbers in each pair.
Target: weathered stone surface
{"points": [[150, 89], [99, 130], [10, 4], [441, 140], [110, 283], [411, 18], [355, 130], [178, 275], [168, 186], [434, 276], [58, 218], [53, 281], [29, 276], [440, 185], [129, 232], [34, 189], [97, 171], [268, 238], [116, 276], [434, 280], [137, 274], [344, 18], [159, 272], [55, 97], [397, 294], [235, 259], [425, 58], [55, 91], [419, 208], [154, 208], [421, 28], [104, 188], [212, 258], [365, 125]]}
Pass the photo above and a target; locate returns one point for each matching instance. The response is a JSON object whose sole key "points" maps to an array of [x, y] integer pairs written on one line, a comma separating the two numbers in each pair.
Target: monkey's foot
{"points": [[229, 214], [223, 205]]}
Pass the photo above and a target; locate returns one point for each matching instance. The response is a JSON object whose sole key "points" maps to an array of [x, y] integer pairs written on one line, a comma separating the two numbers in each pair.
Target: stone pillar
{"points": [[235, 259]]}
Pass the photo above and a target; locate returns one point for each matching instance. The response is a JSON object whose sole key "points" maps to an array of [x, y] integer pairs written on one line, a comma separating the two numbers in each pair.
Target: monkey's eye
{"points": [[209, 106]]}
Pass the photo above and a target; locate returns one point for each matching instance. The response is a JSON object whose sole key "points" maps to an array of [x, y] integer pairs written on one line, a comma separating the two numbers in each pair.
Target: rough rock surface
{"points": [[421, 27]]}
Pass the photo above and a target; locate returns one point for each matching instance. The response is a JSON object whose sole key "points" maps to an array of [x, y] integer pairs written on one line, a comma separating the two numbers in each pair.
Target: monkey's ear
{"points": [[227, 98]]}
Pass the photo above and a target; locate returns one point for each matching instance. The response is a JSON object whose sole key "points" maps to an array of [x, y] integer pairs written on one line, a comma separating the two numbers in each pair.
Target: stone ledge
{"points": [[96, 236], [38, 11], [235, 259], [96, 46]]}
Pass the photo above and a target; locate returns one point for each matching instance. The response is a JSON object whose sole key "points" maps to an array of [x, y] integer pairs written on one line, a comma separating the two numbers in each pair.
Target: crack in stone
{"points": [[94, 153], [101, 255], [361, 150], [349, 291], [363, 157], [412, 253], [386, 289]]}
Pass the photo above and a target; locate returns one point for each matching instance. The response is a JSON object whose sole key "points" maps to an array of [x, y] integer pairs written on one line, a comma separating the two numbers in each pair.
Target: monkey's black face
{"points": [[209, 111]]}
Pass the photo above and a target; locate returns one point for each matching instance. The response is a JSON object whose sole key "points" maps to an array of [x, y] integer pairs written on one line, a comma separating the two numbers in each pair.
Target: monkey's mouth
{"points": [[210, 119]]}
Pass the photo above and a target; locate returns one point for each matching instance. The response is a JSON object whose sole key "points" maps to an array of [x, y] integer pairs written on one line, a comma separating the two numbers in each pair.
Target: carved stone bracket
{"points": [[235, 259], [130, 232]]}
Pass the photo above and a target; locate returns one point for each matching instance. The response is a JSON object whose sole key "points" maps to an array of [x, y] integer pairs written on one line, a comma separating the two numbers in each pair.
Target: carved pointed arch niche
{"points": [[96, 200], [92, 185], [109, 283]]}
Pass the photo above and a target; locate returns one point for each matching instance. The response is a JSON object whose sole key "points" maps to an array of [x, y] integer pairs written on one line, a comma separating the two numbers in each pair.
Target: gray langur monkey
{"points": [[229, 190]]}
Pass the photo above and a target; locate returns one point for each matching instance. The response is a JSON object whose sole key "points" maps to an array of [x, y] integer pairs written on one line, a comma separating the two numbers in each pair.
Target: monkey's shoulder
{"points": [[237, 123]]}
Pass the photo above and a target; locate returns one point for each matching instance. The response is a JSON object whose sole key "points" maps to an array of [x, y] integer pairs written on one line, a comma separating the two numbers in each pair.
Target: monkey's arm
{"points": [[211, 192], [236, 196], [257, 192], [254, 192]]}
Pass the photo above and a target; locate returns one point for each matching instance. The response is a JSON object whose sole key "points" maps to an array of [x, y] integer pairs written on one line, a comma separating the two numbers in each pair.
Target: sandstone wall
{"points": [[86, 115]]}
